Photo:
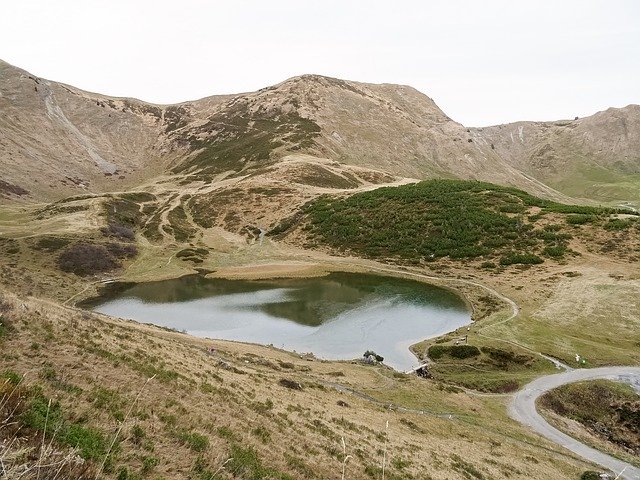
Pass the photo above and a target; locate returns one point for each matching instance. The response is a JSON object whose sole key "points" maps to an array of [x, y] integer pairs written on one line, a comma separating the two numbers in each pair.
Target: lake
{"points": [[337, 317]]}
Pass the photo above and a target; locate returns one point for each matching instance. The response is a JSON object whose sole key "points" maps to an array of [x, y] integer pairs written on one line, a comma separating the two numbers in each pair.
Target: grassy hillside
{"points": [[609, 411], [455, 219], [240, 137], [136, 402]]}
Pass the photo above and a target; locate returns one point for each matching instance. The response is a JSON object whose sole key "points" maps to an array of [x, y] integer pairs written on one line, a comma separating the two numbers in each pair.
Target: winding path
{"points": [[523, 405], [523, 409]]}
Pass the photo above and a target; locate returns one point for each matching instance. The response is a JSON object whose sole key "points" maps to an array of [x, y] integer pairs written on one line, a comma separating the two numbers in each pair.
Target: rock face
{"points": [[57, 140]]}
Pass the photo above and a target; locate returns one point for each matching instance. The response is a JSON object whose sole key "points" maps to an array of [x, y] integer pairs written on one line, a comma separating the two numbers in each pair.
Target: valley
{"points": [[529, 224]]}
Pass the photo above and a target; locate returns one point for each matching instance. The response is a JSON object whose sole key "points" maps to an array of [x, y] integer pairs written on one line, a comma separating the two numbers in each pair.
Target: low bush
{"points": [[460, 352], [520, 258], [555, 251], [122, 250], [505, 356], [429, 220], [5, 322], [32, 411], [194, 440], [86, 258], [244, 462], [617, 224], [292, 384], [579, 219], [51, 243], [118, 231]]}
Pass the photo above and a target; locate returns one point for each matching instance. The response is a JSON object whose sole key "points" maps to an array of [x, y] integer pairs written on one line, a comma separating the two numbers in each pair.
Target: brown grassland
{"points": [[250, 411]]}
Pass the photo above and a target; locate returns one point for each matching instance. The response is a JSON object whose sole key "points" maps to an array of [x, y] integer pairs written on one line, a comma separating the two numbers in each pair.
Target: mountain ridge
{"points": [[58, 140]]}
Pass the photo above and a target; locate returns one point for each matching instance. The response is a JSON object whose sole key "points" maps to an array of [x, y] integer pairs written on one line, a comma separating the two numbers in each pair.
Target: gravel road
{"points": [[523, 409]]}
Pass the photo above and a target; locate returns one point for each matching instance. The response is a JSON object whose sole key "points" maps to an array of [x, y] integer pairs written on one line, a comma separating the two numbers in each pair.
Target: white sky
{"points": [[483, 62]]}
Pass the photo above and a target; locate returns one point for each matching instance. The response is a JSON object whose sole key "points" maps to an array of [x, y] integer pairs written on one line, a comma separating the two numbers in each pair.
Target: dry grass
{"points": [[200, 409]]}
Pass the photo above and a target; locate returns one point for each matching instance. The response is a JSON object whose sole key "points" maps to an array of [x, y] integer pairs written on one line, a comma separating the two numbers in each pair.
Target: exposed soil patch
{"points": [[7, 188]]}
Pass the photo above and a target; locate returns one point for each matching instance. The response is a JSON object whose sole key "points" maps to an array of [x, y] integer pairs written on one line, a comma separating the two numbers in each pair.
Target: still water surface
{"points": [[335, 317]]}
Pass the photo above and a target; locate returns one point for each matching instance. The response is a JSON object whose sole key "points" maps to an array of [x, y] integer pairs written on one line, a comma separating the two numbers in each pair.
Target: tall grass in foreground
{"points": [[346, 457], [36, 443], [26, 454]]}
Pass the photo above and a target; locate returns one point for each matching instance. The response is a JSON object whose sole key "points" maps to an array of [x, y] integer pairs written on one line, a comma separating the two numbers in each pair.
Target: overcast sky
{"points": [[483, 62]]}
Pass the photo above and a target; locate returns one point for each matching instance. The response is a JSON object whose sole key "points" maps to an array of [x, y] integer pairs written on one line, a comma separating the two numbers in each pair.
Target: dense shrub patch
{"points": [[445, 218], [119, 231], [88, 258], [456, 351], [607, 409]]}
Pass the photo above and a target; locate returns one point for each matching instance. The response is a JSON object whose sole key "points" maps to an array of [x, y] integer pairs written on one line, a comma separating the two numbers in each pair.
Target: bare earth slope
{"points": [[56, 140]]}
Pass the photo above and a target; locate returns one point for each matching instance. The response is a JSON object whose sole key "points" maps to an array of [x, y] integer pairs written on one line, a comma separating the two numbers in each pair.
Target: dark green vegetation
{"points": [[607, 409], [5, 323], [51, 243], [29, 421], [319, 176], [136, 211], [180, 227], [485, 368], [451, 218], [436, 352], [240, 136], [122, 211], [175, 117], [195, 255]]}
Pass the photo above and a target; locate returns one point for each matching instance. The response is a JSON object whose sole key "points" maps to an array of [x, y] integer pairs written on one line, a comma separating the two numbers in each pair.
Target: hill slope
{"points": [[594, 157], [56, 140]]}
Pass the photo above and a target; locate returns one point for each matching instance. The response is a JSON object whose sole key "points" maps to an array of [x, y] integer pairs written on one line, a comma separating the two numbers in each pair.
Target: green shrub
{"points": [[51, 243], [137, 434], [617, 224], [262, 433], [91, 443], [42, 414], [460, 352], [245, 463], [438, 218], [520, 258], [554, 251], [194, 440], [579, 219], [11, 377], [149, 463]]}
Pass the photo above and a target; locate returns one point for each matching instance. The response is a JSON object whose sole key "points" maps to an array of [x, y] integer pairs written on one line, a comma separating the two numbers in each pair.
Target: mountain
{"points": [[97, 192], [57, 140], [594, 157]]}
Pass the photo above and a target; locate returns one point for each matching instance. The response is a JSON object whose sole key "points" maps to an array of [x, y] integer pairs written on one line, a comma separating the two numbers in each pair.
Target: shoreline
{"points": [[297, 270]]}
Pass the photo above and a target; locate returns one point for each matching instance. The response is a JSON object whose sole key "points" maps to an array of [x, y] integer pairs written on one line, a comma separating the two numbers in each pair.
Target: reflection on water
{"points": [[336, 317]]}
